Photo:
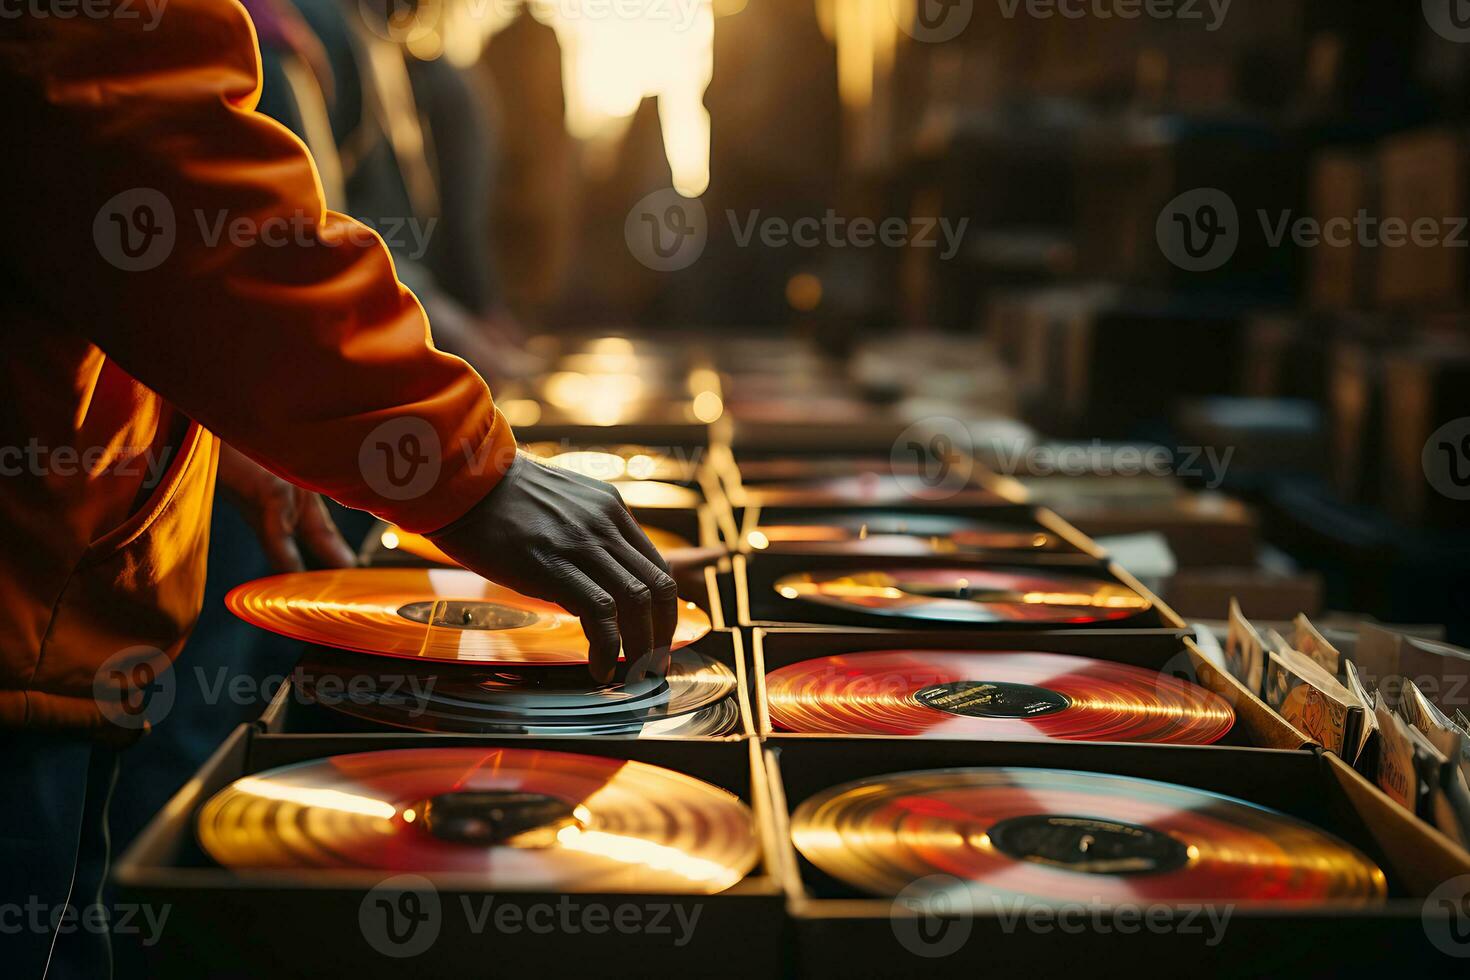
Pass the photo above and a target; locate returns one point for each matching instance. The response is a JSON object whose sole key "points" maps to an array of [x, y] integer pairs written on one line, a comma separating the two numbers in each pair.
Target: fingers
{"points": [[663, 594], [319, 533], [634, 600], [599, 615], [634, 535], [276, 528]]}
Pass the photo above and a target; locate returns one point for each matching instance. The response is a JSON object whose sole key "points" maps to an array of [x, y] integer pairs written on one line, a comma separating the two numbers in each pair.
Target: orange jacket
{"points": [[168, 270]]}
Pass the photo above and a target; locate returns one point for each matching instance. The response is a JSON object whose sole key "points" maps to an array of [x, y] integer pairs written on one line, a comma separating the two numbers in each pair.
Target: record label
{"points": [[981, 699], [1088, 845]]}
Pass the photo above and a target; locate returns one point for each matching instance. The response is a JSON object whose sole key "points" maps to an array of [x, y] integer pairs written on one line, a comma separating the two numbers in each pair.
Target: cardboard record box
{"points": [[311, 921], [1169, 652], [997, 532], [758, 603], [297, 711], [842, 932], [827, 479]]}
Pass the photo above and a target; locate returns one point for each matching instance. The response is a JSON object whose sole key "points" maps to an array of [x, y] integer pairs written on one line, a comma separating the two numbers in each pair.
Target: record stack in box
{"points": [[963, 739]]}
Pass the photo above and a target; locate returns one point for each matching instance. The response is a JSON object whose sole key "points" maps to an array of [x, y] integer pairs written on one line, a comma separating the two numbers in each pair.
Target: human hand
{"points": [[282, 514], [569, 539]]}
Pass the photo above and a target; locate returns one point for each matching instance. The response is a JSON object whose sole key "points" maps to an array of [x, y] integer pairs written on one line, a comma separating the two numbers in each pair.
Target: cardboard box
{"points": [[842, 933], [304, 922]]}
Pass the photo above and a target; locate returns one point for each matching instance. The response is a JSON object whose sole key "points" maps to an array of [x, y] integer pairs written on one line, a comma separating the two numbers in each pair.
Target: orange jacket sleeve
{"points": [[156, 214]]}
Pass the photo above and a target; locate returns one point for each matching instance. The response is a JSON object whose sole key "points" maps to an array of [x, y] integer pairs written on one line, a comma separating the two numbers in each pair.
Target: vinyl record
{"points": [[896, 533], [1059, 836], [873, 489], [968, 595], [435, 614], [397, 539], [519, 819], [467, 698], [995, 696]]}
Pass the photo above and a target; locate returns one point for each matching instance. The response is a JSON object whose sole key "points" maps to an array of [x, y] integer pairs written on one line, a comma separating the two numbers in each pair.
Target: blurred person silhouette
{"points": [[221, 299]]}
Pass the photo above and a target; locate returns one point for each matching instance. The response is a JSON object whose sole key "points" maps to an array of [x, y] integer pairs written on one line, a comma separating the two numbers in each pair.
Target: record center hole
{"points": [[1087, 844], [510, 818], [467, 614]]}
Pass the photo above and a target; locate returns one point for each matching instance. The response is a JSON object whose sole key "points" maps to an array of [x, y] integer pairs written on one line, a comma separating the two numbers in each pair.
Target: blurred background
{"points": [[1233, 233]]}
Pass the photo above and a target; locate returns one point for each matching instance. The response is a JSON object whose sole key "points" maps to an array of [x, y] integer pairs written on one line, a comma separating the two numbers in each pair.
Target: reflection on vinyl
{"points": [[614, 463], [900, 534], [995, 696], [1045, 835], [397, 539], [968, 595], [876, 489], [439, 614], [519, 819], [694, 698]]}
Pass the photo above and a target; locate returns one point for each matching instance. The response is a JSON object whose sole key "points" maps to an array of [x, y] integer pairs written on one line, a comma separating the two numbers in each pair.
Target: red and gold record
{"points": [[896, 533], [438, 614], [522, 819], [968, 595], [998, 696], [1048, 835], [396, 539]]}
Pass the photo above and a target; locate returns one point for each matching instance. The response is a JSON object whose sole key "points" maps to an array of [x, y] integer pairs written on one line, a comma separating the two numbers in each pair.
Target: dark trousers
{"points": [[54, 853]]}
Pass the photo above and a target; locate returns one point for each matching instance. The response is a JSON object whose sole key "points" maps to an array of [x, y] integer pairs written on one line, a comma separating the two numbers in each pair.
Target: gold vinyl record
{"points": [[996, 696], [968, 595], [521, 819], [433, 614], [469, 698], [1005, 835], [396, 539]]}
